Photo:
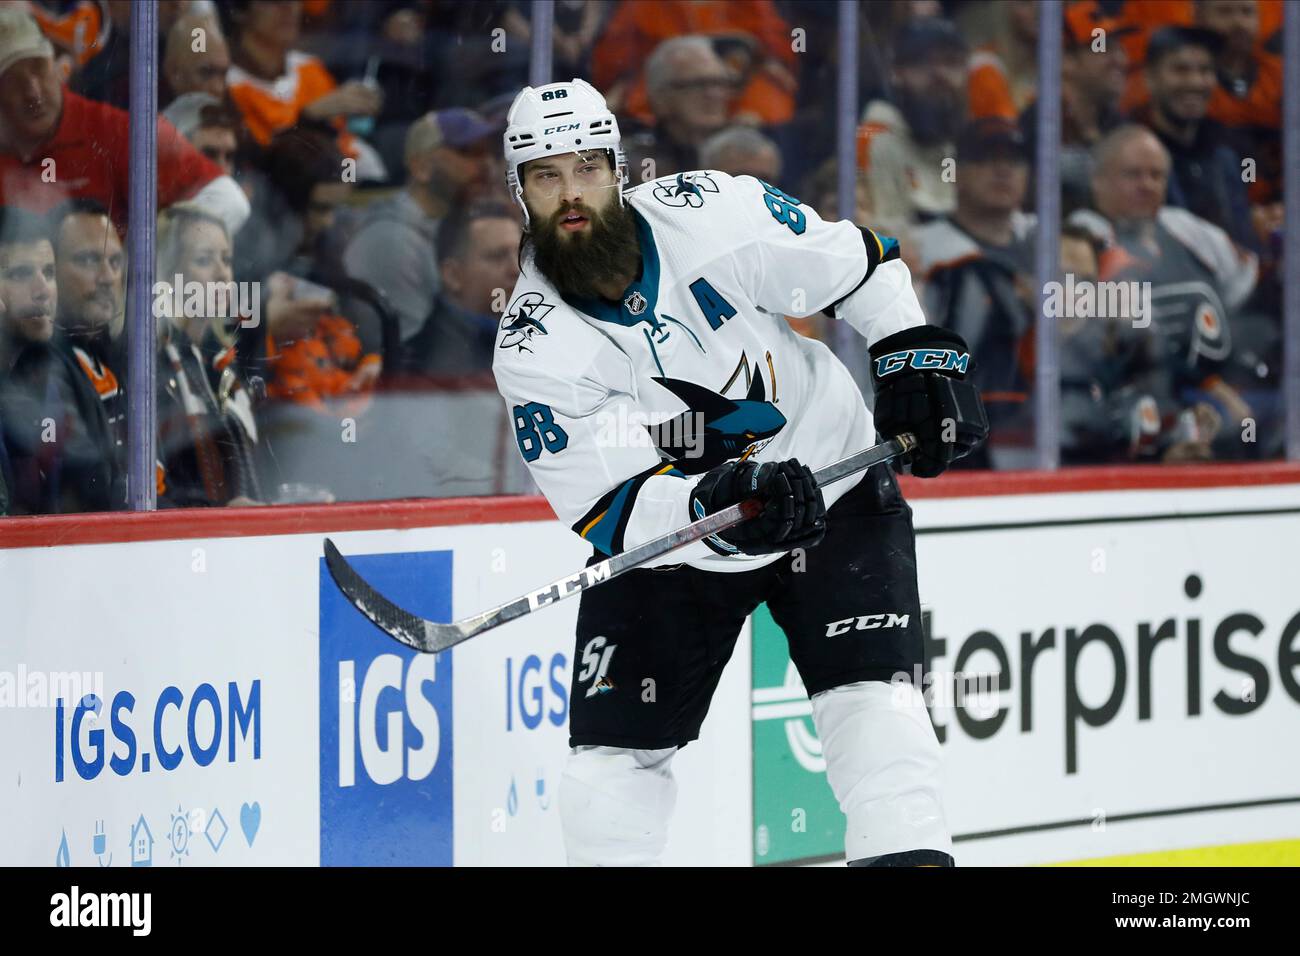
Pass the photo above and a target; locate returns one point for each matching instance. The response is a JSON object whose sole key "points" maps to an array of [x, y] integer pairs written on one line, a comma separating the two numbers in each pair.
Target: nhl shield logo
{"points": [[635, 303]]}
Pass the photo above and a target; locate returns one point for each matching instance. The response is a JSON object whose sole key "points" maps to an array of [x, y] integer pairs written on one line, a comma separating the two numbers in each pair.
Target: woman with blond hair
{"points": [[206, 428]]}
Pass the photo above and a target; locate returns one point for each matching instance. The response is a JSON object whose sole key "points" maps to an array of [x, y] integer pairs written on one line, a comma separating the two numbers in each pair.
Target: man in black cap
{"points": [[977, 265], [395, 246], [992, 175], [1206, 173], [907, 142]]}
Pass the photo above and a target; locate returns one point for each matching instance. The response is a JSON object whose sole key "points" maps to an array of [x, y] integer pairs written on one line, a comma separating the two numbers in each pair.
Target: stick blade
{"points": [[427, 637]]}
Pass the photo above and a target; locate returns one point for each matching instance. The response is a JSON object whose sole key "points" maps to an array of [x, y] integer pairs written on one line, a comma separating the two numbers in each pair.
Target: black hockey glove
{"points": [[793, 515], [920, 379]]}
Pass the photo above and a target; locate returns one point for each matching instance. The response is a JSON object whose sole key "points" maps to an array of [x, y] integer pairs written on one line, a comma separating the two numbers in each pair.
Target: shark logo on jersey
{"points": [[523, 320], [732, 427], [687, 189]]}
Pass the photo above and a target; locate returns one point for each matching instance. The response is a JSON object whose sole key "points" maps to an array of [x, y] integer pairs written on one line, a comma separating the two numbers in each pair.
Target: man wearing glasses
{"points": [[690, 91]]}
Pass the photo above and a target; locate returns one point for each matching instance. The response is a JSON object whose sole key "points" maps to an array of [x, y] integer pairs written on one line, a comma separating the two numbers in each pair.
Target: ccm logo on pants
{"points": [[866, 622]]}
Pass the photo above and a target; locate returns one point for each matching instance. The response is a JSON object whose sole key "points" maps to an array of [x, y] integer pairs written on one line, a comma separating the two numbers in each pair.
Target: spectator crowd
{"points": [[335, 241]]}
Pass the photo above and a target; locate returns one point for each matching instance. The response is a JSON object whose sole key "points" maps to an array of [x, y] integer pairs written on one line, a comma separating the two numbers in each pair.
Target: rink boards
{"points": [[1113, 674]]}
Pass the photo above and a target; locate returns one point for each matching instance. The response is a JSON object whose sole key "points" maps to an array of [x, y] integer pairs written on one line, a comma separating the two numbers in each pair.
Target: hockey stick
{"points": [[430, 637]]}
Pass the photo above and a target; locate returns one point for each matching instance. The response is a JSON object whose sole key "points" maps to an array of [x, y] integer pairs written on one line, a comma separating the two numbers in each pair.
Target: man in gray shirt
{"points": [[394, 249]]}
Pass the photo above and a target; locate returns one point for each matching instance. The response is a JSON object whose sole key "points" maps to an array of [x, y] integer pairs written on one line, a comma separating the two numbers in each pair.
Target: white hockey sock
{"points": [[883, 764], [615, 805]]}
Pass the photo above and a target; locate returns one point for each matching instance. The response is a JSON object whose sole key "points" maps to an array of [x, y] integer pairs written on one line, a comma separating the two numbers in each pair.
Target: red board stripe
{"points": [[257, 522], [435, 512], [972, 484]]}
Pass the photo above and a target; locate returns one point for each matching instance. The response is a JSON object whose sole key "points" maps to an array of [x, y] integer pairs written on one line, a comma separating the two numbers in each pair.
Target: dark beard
{"points": [[580, 263]]}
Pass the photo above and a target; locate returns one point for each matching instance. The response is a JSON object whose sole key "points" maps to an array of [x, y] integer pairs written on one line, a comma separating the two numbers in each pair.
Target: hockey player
{"points": [[653, 379]]}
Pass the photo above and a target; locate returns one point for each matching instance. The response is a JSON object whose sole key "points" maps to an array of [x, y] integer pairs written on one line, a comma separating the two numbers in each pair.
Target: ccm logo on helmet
{"points": [[931, 359], [561, 129], [866, 622]]}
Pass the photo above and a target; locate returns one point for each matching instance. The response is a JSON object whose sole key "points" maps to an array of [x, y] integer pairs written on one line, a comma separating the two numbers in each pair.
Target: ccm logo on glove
{"points": [[936, 360], [921, 385]]}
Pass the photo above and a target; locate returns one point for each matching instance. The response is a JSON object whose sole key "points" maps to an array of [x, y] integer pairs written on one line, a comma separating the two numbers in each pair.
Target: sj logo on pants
{"points": [[595, 664]]}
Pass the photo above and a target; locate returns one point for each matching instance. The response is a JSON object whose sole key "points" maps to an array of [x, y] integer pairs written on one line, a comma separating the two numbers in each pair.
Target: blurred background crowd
{"points": [[339, 162]]}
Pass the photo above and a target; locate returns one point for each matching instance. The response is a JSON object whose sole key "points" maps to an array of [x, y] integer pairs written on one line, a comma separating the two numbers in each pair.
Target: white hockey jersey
{"points": [[620, 407]]}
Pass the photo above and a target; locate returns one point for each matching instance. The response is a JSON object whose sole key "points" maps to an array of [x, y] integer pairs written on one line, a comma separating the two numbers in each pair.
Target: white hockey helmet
{"points": [[555, 119]]}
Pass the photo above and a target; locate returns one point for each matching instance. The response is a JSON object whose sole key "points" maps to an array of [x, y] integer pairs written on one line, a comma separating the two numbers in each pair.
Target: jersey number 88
{"points": [[535, 429], [784, 208]]}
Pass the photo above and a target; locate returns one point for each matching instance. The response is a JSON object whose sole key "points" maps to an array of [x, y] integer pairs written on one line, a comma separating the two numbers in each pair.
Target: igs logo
{"points": [[386, 722]]}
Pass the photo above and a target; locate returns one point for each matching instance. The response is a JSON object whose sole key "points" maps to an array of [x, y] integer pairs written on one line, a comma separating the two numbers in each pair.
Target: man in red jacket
{"points": [[56, 145]]}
